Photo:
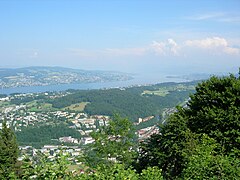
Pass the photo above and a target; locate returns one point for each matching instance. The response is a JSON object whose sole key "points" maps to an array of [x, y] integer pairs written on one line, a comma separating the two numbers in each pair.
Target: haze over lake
{"points": [[138, 80]]}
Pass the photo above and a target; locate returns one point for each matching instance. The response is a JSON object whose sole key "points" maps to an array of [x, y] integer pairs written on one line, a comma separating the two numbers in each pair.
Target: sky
{"points": [[136, 36]]}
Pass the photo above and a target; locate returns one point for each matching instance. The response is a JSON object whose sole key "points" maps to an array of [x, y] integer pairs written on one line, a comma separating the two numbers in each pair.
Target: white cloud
{"points": [[158, 47], [211, 45], [165, 48], [233, 51], [208, 42], [217, 16], [215, 44], [206, 16], [230, 19], [173, 46]]}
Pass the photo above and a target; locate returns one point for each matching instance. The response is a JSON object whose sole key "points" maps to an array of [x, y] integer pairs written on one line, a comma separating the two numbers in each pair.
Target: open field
{"points": [[38, 107], [166, 90], [160, 92], [4, 103], [77, 107]]}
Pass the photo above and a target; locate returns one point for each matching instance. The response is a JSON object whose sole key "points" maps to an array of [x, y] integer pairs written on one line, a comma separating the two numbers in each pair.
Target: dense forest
{"points": [[38, 136], [129, 102]]}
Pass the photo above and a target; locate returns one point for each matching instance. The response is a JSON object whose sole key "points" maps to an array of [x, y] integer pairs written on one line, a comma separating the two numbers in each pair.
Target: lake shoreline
{"points": [[137, 81]]}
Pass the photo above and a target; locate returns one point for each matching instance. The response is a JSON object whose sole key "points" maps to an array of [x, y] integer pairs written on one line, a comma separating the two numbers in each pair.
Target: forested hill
{"points": [[132, 102], [40, 117]]}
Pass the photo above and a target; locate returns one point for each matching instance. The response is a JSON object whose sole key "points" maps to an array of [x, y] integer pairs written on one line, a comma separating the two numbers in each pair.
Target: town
{"points": [[43, 76], [33, 114]]}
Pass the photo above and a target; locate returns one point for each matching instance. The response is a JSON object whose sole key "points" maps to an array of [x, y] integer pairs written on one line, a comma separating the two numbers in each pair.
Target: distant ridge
{"points": [[48, 75]]}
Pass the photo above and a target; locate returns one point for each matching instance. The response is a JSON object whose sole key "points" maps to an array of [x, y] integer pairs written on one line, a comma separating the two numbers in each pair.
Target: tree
{"points": [[46, 169], [8, 151], [57, 169], [170, 148], [214, 111], [205, 163], [119, 171], [113, 143]]}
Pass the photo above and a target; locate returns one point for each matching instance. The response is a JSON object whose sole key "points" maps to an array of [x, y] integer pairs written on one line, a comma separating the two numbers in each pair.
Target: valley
{"points": [[67, 118]]}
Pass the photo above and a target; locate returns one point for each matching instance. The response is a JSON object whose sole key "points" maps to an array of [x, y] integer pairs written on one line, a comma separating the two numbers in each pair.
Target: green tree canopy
{"points": [[113, 143], [213, 111], [8, 151], [205, 162]]}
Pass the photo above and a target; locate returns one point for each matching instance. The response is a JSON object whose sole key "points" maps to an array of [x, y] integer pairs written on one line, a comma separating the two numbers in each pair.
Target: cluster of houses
{"points": [[51, 152], [19, 116], [147, 132], [140, 120]]}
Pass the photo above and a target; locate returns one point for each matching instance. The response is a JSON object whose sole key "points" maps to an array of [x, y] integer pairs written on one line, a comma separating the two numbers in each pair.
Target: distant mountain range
{"points": [[42, 76]]}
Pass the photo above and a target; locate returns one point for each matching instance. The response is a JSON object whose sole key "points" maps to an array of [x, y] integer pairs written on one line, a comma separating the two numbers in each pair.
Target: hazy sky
{"points": [[169, 36]]}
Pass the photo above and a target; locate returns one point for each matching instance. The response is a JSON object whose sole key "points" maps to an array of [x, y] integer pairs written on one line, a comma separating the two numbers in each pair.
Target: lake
{"points": [[138, 80]]}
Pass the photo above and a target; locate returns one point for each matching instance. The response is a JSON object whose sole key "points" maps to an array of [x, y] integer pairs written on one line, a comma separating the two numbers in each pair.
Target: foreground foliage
{"points": [[205, 162], [8, 151], [57, 169], [118, 172], [203, 140], [113, 143]]}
